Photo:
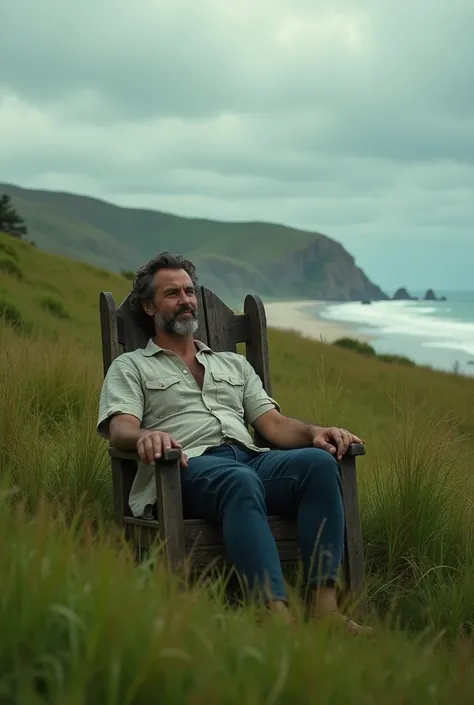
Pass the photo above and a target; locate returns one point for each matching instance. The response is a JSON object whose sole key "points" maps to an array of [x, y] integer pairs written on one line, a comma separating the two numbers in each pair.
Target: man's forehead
{"points": [[169, 278]]}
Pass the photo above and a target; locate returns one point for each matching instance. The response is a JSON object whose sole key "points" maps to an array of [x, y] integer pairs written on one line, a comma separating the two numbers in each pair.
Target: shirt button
{"points": [[185, 372]]}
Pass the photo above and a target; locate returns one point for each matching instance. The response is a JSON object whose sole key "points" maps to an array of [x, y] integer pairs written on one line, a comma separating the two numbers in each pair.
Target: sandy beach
{"points": [[291, 315]]}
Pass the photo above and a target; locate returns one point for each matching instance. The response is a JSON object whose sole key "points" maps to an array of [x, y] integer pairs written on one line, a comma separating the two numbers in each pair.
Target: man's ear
{"points": [[148, 308]]}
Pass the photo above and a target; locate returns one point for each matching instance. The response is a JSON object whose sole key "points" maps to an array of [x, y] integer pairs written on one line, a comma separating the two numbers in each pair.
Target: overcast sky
{"points": [[351, 117]]}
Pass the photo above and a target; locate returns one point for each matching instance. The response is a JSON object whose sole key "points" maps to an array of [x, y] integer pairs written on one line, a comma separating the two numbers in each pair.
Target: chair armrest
{"points": [[173, 454], [356, 449]]}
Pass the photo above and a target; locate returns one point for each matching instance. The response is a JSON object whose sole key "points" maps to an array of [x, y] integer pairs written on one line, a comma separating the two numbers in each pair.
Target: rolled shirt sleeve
{"points": [[121, 393], [256, 401]]}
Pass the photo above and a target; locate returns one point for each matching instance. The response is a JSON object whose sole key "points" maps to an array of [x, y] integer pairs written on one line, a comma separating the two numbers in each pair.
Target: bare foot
{"points": [[325, 609], [340, 620], [279, 608]]}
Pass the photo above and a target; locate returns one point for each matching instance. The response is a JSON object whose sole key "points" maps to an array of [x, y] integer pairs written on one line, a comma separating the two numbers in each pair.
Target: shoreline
{"points": [[292, 316]]}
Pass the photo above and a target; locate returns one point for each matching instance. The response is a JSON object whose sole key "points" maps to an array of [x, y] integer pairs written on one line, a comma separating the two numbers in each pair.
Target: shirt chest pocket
{"points": [[229, 389], [165, 395]]}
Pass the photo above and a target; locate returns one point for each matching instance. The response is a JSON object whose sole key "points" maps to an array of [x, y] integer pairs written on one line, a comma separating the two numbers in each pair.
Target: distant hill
{"points": [[232, 258]]}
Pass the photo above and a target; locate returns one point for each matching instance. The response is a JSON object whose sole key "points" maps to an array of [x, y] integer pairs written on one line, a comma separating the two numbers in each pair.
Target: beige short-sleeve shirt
{"points": [[156, 386]]}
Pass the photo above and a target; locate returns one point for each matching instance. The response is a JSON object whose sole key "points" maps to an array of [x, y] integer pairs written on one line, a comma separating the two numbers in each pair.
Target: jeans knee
{"points": [[319, 469], [243, 484]]}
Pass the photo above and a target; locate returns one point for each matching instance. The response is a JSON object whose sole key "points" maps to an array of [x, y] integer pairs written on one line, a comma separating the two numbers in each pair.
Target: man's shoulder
{"points": [[130, 360]]}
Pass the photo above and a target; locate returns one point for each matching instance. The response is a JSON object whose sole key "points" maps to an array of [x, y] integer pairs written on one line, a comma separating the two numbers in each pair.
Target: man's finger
{"points": [[165, 441], [336, 436], [150, 448], [346, 437], [324, 445], [184, 460], [157, 449]]}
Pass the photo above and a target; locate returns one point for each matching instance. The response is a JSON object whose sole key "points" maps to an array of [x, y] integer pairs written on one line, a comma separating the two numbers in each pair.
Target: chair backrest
{"points": [[219, 327]]}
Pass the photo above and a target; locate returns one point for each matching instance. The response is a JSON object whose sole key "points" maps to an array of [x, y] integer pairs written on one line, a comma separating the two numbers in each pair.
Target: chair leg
{"points": [[354, 548], [170, 511]]}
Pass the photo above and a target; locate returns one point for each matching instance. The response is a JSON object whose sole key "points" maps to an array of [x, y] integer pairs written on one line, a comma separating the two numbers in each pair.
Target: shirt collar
{"points": [[152, 348]]}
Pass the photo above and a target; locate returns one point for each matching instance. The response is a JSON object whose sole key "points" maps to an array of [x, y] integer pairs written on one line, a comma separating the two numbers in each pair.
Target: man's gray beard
{"points": [[174, 326]]}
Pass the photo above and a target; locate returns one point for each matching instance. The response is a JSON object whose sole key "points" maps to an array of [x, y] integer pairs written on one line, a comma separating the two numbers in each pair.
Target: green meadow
{"points": [[82, 622]]}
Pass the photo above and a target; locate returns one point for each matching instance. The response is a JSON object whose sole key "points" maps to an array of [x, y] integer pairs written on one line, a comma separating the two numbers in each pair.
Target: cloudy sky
{"points": [[351, 117]]}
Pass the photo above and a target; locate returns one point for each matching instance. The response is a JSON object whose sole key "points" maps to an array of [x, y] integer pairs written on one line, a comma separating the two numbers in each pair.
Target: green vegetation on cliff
{"points": [[269, 259]]}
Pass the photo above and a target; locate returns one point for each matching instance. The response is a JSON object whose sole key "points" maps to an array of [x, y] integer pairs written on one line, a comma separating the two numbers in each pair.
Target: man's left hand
{"points": [[335, 440]]}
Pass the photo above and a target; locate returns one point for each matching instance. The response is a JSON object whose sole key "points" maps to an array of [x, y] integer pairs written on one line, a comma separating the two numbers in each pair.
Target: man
{"points": [[178, 393]]}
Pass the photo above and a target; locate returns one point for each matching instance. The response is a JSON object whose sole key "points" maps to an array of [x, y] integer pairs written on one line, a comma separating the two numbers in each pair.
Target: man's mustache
{"points": [[185, 309]]}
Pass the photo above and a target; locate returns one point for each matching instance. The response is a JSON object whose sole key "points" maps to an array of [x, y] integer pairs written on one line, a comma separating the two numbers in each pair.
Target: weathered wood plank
{"points": [[201, 333], [170, 454], [257, 351], [198, 532], [170, 511], [203, 556], [123, 474], [145, 535], [354, 547], [219, 322], [355, 449], [257, 343], [132, 334], [108, 327]]}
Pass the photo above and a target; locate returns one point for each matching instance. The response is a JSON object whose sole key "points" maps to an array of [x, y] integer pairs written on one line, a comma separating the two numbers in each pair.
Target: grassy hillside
{"points": [[34, 281], [81, 623], [273, 259]]}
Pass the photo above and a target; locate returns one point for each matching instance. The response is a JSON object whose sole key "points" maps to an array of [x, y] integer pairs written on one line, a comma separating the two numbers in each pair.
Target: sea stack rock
{"points": [[431, 296], [402, 295]]}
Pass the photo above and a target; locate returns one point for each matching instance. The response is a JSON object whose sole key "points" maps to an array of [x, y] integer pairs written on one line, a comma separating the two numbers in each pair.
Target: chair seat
{"points": [[204, 543]]}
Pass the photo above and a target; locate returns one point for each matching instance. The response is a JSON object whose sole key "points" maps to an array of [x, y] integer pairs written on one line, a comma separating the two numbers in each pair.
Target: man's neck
{"points": [[182, 345]]}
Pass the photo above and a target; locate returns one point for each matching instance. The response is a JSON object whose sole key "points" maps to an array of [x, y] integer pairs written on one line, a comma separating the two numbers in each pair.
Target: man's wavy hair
{"points": [[144, 284]]}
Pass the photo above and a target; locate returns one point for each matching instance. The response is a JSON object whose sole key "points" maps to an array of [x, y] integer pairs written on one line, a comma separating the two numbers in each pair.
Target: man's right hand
{"points": [[151, 446]]}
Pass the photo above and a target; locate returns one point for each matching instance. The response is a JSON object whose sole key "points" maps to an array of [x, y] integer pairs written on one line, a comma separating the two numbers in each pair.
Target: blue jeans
{"points": [[237, 489]]}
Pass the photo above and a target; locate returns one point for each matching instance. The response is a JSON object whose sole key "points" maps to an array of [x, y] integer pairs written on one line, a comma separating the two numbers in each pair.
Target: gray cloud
{"points": [[351, 117]]}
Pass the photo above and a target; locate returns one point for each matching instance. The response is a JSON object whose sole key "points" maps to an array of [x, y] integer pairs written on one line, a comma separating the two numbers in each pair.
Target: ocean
{"points": [[439, 334]]}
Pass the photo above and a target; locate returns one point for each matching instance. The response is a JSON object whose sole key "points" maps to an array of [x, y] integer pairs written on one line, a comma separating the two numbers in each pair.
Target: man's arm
{"points": [[263, 413], [121, 394], [124, 432], [126, 435], [285, 432]]}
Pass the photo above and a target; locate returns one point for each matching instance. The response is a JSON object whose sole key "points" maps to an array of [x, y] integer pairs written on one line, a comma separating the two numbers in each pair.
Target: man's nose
{"points": [[184, 298]]}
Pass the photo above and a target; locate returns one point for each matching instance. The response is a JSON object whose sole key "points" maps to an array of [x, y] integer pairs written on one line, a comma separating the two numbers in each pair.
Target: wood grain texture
{"points": [[354, 547], [132, 335], [170, 454], [108, 327], [170, 511], [123, 474], [224, 328], [203, 543], [257, 351], [201, 333], [257, 344]]}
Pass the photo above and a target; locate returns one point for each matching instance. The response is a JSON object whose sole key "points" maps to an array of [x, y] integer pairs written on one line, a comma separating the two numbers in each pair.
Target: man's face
{"points": [[175, 303]]}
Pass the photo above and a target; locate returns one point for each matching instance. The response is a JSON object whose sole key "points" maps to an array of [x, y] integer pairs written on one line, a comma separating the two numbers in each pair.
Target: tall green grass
{"points": [[82, 623]]}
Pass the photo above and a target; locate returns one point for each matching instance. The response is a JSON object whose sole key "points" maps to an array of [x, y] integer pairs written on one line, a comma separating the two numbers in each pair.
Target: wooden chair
{"points": [[221, 329]]}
